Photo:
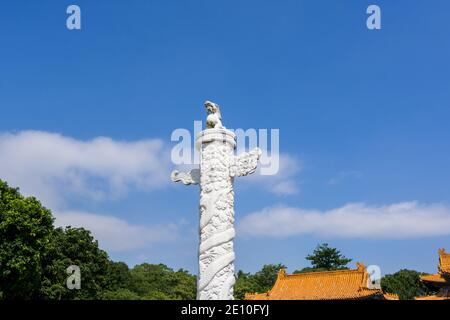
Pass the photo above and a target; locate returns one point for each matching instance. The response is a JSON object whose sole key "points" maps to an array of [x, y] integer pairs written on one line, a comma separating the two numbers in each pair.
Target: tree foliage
{"points": [[119, 276], [262, 281], [157, 281], [74, 246], [119, 294], [245, 283], [266, 277], [405, 283], [34, 257], [325, 258], [25, 233]]}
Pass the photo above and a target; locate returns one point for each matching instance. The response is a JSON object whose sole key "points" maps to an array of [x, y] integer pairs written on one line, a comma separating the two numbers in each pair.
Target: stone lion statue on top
{"points": [[214, 118]]}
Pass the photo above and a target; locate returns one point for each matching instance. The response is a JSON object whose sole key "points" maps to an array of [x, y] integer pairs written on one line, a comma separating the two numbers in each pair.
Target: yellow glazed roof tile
{"points": [[433, 278], [444, 261], [328, 285]]}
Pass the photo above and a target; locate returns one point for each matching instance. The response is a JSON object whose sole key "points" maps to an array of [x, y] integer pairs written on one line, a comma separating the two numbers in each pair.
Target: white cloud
{"points": [[285, 182], [55, 168], [357, 220], [60, 170], [116, 235]]}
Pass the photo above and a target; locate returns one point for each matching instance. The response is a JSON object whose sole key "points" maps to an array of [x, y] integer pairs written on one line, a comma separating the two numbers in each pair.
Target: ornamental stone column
{"points": [[218, 168]]}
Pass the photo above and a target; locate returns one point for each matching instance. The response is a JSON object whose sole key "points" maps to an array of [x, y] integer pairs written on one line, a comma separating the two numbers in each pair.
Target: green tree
{"points": [[262, 281], [120, 294], [184, 285], [118, 275], [157, 295], [245, 283], [25, 231], [147, 278], [157, 281], [74, 246], [309, 269], [325, 258], [405, 283], [266, 277]]}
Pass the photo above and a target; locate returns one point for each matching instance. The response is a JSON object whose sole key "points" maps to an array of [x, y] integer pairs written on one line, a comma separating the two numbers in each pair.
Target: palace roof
{"points": [[444, 270], [327, 285], [444, 262], [437, 278], [435, 297], [440, 280]]}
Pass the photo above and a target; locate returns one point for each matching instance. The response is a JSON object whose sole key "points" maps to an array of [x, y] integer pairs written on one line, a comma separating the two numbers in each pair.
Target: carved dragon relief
{"points": [[218, 168]]}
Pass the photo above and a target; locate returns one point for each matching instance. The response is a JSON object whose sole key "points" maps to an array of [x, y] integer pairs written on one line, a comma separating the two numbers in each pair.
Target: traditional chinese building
{"points": [[328, 285], [439, 281]]}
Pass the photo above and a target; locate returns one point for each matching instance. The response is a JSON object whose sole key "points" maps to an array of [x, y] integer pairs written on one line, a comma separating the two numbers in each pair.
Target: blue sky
{"points": [[363, 119]]}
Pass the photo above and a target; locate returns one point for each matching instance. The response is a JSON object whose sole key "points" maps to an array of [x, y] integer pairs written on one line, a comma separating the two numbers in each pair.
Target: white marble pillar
{"points": [[218, 168]]}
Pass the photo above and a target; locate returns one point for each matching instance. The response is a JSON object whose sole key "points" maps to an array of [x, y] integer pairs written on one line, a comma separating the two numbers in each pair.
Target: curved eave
{"points": [[434, 278]]}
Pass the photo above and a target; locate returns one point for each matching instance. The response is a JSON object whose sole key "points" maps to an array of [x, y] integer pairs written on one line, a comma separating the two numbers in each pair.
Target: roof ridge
{"points": [[444, 262], [326, 272]]}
